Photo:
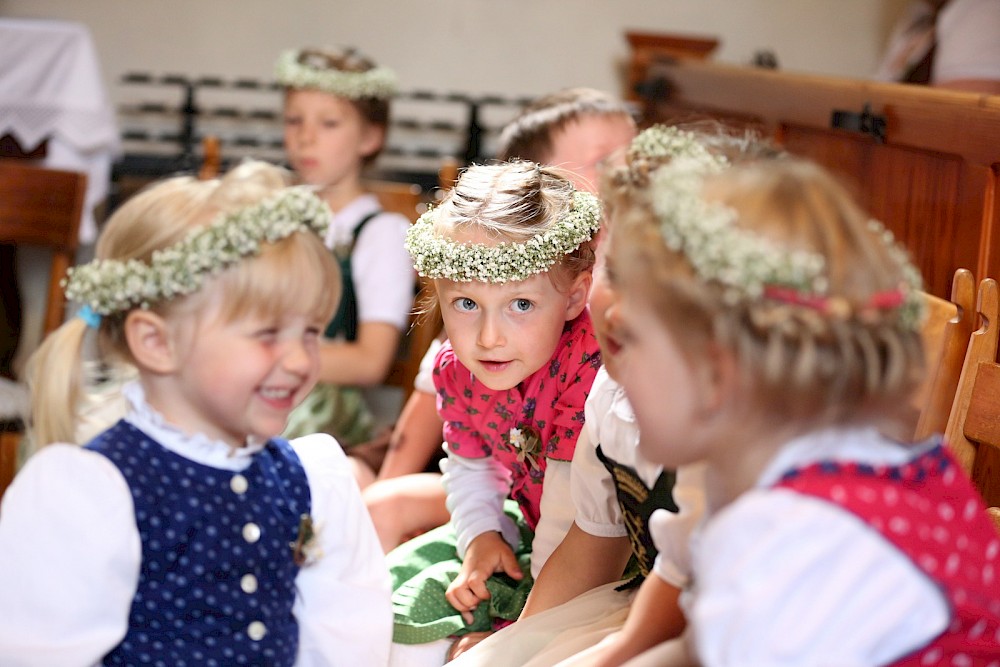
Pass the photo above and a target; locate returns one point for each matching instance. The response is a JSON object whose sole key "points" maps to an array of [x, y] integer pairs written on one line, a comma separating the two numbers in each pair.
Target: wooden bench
{"points": [[923, 160]]}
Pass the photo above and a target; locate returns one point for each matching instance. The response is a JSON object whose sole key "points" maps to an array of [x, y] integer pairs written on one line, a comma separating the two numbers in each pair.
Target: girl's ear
{"points": [[150, 342], [577, 295], [719, 379], [372, 138]]}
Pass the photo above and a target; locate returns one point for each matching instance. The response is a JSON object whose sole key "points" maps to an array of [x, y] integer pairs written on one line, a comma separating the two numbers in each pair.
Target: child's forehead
{"points": [[310, 98], [535, 286], [591, 132]]}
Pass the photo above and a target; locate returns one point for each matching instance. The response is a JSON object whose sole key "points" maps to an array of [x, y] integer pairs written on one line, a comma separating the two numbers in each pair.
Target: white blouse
{"points": [[381, 267], [785, 579], [610, 423], [70, 553]]}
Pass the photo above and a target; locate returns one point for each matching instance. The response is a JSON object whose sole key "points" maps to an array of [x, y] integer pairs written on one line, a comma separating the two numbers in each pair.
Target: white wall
{"points": [[508, 47]]}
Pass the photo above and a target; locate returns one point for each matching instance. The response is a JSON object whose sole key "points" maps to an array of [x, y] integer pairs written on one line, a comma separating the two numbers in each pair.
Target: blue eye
{"points": [[522, 305], [465, 304]]}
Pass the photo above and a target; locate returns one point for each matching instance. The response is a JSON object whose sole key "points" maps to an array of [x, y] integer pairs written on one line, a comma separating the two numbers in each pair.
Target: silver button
{"points": [[251, 532], [256, 631], [248, 583], [238, 484]]}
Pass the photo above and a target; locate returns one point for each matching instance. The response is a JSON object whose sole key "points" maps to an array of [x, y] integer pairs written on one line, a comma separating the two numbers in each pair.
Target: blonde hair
{"points": [[513, 202], [529, 135], [798, 365], [69, 362]]}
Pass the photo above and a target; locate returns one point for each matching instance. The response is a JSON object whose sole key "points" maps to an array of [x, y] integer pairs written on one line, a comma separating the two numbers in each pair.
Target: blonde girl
{"points": [[510, 257], [187, 533], [336, 115], [790, 324]]}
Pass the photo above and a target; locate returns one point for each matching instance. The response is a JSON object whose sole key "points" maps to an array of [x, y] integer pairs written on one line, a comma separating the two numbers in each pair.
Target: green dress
{"points": [[423, 568]]}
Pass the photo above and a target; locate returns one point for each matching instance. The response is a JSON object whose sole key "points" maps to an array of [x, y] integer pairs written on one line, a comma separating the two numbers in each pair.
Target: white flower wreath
{"points": [[378, 82], [437, 257], [743, 262], [111, 286]]}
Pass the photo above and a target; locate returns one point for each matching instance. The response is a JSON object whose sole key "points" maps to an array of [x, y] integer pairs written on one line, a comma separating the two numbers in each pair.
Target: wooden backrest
{"points": [[42, 207], [922, 159], [408, 200], [946, 333], [973, 430]]}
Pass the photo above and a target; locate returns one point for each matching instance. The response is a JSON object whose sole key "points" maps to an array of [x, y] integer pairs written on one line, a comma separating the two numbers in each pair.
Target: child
{"points": [[573, 129], [614, 488], [336, 113], [509, 254], [187, 533], [790, 324]]}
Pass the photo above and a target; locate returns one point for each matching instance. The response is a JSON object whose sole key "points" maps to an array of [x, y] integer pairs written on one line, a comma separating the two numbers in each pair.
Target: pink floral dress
{"points": [[538, 419]]}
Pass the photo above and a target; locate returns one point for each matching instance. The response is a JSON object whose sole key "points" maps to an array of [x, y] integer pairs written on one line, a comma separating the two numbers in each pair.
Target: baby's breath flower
{"points": [[435, 256], [378, 82], [743, 263], [112, 286]]}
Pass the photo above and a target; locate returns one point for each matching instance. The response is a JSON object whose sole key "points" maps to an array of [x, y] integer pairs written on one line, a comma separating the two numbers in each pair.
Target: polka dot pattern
{"points": [[930, 512], [202, 535]]}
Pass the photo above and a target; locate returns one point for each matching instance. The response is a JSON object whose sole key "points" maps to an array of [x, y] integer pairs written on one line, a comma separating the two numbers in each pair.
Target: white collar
{"points": [[863, 444], [197, 447]]}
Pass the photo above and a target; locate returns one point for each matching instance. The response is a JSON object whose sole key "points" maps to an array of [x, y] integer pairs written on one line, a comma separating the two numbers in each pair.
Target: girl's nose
{"points": [[490, 332], [297, 359]]}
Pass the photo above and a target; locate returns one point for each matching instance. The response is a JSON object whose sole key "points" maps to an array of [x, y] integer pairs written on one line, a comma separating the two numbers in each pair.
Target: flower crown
{"points": [[747, 265], [378, 82], [108, 286], [435, 256]]}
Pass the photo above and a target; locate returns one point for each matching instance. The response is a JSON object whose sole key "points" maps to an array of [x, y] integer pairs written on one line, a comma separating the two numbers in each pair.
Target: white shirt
{"points": [[968, 41], [785, 579], [610, 422], [70, 554], [382, 269]]}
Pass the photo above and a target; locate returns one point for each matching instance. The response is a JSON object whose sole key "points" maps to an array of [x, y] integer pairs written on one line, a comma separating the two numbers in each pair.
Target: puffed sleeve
{"points": [[782, 579], [591, 485], [671, 531], [343, 604], [69, 559], [382, 269]]}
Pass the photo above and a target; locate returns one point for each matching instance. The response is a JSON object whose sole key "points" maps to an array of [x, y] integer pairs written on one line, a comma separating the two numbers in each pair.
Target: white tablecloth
{"points": [[51, 88]]}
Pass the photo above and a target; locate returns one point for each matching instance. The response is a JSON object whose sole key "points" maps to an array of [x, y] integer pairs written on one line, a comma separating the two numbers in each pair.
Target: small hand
{"points": [[464, 643], [487, 554]]}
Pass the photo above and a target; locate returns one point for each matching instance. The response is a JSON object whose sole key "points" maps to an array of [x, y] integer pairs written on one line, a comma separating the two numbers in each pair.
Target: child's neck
{"points": [[339, 195], [735, 466]]}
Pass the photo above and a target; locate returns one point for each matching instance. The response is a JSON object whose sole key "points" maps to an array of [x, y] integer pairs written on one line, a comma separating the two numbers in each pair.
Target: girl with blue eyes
{"points": [[510, 253]]}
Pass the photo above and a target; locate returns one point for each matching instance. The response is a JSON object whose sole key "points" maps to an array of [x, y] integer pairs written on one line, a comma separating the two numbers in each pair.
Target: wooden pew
{"points": [[925, 161]]}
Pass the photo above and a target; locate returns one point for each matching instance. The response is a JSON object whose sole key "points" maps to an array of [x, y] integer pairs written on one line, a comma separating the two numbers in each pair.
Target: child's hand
{"points": [[487, 554]]}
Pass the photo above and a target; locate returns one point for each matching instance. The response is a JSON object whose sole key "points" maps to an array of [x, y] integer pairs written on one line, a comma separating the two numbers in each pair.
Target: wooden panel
{"points": [[982, 425], [931, 177]]}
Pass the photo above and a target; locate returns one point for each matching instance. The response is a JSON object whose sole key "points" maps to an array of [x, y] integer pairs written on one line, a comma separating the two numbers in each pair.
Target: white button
{"points": [[251, 532], [256, 631], [238, 484], [248, 583]]}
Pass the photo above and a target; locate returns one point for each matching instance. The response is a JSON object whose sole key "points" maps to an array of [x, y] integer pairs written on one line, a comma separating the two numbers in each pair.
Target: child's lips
{"points": [[495, 366], [279, 397]]}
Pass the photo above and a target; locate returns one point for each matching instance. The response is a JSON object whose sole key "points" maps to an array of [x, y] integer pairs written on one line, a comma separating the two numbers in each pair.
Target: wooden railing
{"points": [[925, 161]]}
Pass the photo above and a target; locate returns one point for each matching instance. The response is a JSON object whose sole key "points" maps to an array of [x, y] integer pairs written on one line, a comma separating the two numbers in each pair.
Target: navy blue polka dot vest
{"points": [[217, 580]]}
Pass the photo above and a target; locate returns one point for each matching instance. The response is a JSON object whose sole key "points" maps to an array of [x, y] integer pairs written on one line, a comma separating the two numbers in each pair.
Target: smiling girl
{"points": [[187, 533]]}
